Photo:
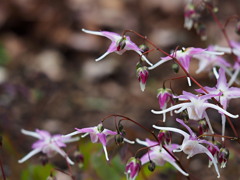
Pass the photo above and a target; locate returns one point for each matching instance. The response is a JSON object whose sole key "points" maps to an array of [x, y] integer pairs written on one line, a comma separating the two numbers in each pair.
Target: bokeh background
{"points": [[49, 79]]}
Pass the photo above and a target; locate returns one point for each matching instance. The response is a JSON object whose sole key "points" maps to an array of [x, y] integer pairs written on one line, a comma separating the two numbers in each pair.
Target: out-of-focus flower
{"points": [[184, 56], [47, 144], [190, 16], [97, 133], [209, 60], [119, 44], [192, 145], [133, 167], [196, 106], [142, 74], [159, 155]]}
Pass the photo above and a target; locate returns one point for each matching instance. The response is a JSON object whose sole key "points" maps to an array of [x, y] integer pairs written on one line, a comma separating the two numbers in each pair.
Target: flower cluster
{"points": [[192, 106]]}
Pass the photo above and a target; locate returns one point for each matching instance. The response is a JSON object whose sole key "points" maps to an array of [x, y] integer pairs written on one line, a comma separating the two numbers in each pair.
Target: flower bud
{"points": [[133, 167], [142, 74], [44, 159], [164, 96], [100, 127], [184, 115], [238, 28], [78, 156], [202, 126], [175, 68], [223, 157], [120, 127], [144, 48], [121, 43], [151, 166], [119, 139], [201, 30], [164, 137]]}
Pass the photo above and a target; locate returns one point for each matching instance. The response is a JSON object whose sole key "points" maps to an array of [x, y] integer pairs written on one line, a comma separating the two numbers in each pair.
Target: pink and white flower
{"points": [[142, 74], [196, 106], [184, 56], [97, 134], [159, 155], [48, 144], [119, 45], [192, 145]]}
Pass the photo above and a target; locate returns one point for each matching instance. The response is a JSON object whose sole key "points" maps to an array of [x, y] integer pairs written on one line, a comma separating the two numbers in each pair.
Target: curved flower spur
{"points": [[196, 106], [48, 144], [191, 144], [119, 45]]}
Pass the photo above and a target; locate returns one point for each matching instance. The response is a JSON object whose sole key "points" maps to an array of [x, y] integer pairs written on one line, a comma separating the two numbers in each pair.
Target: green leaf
{"points": [[36, 172]]}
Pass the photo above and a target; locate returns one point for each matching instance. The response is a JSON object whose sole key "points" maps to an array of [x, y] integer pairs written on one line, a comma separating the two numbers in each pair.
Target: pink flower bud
{"points": [[142, 74]]}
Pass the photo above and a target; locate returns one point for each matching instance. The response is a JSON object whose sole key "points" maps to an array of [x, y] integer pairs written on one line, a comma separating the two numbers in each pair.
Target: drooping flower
{"points": [[208, 61], [192, 145], [97, 133], [119, 44], [133, 167], [184, 56], [142, 74], [228, 93], [159, 155], [190, 15], [196, 106], [48, 144], [165, 97]]}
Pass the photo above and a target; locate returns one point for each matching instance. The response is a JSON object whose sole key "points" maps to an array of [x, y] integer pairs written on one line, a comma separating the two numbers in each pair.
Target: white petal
{"points": [[186, 135], [99, 33], [63, 154], [223, 126], [215, 72], [29, 155], [71, 134], [158, 64], [144, 143], [168, 109], [106, 153], [220, 109], [233, 77], [182, 108], [189, 81], [30, 133], [208, 122], [128, 141], [71, 140], [84, 135], [102, 56]]}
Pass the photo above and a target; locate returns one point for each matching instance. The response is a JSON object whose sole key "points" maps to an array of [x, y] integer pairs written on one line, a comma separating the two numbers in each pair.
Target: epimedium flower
{"points": [[191, 144], [119, 44], [133, 167], [210, 60], [228, 93], [184, 56], [159, 155], [190, 15], [97, 134], [165, 97], [142, 74], [48, 144], [196, 106]]}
